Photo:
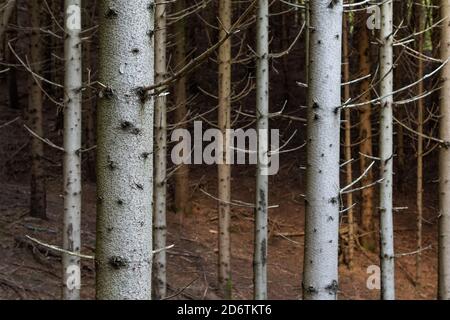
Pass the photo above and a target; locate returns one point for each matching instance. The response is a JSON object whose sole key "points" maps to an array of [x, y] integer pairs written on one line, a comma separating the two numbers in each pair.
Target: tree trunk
{"points": [[38, 200], [182, 204], [365, 136], [421, 13], [125, 150], [224, 169], [386, 154], [320, 272], [160, 228], [444, 160], [348, 148], [72, 149], [262, 123]]}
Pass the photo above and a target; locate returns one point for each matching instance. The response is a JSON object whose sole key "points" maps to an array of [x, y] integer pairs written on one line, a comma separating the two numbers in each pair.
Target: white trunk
{"points": [[125, 150], [444, 160], [72, 147], [262, 179], [160, 228], [348, 146], [320, 273], [386, 153]]}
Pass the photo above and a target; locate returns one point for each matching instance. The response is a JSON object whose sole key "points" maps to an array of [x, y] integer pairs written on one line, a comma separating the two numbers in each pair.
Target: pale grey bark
{"points": [[444, 160], [160, 227], [125, 150], [386, 153], [320, 272], [262, 179], [72, 149]]}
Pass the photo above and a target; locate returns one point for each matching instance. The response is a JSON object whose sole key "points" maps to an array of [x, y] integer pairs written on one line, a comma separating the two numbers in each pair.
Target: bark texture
{"points": [[386, 153], [72, 149], [160, 227], [320, 271], [262, 179], [125, 150]]}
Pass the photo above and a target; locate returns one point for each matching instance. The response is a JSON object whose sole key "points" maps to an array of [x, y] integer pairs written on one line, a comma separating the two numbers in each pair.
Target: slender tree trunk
{"points": [[444, 160], [125, 150], [320, 271], [420, 7], [72, 149], [182, 174], [386, 153], [348, 148], [262, 178], [160, 228], [224, 169], [38, 200], [365, 136]]}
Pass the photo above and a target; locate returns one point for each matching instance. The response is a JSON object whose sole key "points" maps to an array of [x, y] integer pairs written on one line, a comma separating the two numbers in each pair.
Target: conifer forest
{"points": [[225, 150]]}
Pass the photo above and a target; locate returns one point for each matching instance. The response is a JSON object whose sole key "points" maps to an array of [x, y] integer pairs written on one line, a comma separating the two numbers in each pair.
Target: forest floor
{"points": [[30, 271]]}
